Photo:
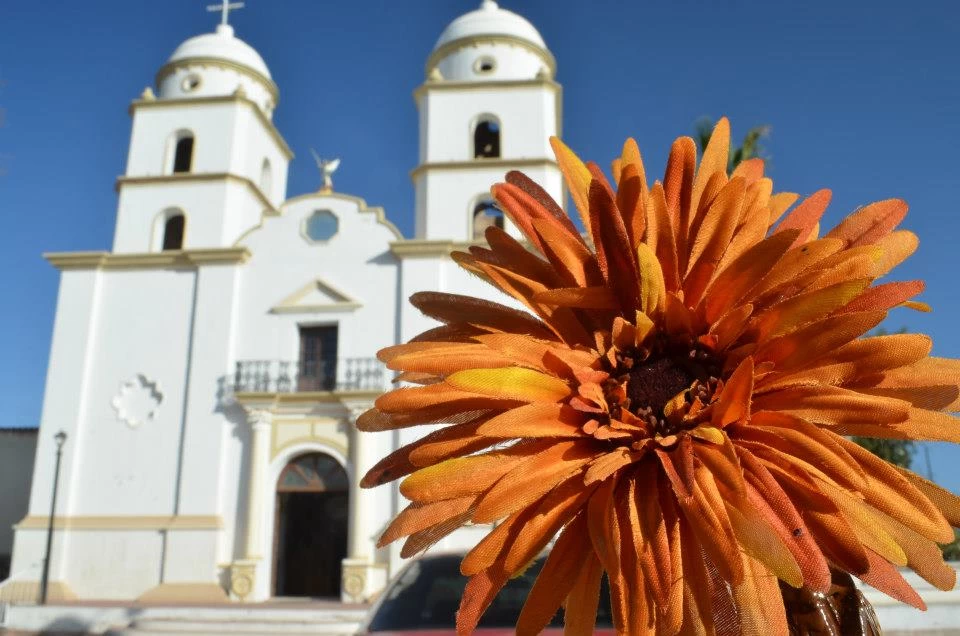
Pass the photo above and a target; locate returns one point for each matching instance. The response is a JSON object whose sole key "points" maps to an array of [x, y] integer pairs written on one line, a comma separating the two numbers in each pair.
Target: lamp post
{"points": [[60, 438]]}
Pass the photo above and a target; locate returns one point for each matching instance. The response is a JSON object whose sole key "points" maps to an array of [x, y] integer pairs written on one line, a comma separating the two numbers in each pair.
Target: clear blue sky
{"points": [[863, 97]]}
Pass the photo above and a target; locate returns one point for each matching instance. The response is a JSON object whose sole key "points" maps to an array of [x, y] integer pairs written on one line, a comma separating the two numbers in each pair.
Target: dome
{"points": [[490, 20], [221, 45]]}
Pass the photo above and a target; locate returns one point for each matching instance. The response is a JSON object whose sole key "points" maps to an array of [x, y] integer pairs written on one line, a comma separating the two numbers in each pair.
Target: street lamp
{"points": [[59, 438]]}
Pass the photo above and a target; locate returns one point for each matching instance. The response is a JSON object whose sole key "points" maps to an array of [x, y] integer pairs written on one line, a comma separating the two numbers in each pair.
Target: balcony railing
{"points": [[340, 374]]}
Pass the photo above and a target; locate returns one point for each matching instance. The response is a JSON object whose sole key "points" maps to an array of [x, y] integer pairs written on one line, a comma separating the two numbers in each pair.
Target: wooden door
{"points": [[318, 359]]}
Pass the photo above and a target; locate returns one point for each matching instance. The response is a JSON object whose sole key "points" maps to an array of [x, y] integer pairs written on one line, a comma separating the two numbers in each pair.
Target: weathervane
{"points": [[327, 167], [224, 9]]}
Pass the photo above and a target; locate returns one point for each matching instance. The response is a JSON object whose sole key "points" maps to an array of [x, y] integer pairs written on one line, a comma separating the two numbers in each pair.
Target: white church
{"points": [[208, 369]]}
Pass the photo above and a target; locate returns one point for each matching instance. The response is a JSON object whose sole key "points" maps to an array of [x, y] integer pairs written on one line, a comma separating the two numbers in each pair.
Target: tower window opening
{"points": [[484, 65], [266, 178], [486, 139], [173, 232], [486, 214], [183, 155]]}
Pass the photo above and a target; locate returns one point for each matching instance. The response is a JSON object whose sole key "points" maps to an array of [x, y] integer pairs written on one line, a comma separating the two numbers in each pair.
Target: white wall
{"points": [[228, 139], [527, 114], [357, 261], [512, 62]]}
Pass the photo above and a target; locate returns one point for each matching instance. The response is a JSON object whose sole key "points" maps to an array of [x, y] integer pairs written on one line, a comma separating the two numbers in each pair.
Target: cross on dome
{"points": [[224, 8]]}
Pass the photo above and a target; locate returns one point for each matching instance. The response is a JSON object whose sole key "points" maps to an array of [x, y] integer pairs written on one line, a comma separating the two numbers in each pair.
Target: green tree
{"points": [[750, 147]]}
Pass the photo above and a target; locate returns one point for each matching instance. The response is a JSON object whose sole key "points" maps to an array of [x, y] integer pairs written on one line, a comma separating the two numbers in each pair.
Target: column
{"points": [[358, 541], [260, 424], [243, 573], [361, 577]]}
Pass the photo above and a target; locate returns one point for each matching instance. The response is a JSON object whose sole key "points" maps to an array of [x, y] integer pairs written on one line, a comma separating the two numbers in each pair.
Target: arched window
{"points": [[486, 138], [486, 214], [266, 178], [183, 153], [173, 232]]}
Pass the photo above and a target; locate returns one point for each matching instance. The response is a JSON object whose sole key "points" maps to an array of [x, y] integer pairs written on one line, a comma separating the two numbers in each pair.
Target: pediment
{"points": [[316, 296]]}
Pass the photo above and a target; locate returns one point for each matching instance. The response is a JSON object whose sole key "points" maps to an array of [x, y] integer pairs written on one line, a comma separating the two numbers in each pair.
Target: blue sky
{"points": [[863, 98]]}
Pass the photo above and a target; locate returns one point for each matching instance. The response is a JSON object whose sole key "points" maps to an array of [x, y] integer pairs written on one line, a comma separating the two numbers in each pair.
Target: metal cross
{"points": [[224, 9]]}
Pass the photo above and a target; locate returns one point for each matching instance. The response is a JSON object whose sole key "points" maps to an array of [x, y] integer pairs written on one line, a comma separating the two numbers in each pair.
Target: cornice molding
{"points": [[430, 248], [189, 177], [124, 522], [186, 62], [180, 102], [474, 40], [152, 260], [474, 164], [461, 85]]}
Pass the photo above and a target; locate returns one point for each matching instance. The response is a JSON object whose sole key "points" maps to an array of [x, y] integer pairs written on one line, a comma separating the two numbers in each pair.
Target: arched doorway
{"points": [[310, 534]]}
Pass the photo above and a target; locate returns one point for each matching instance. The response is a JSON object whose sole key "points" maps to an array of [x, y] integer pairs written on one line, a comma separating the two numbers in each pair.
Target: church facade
{"points": [[209, 368]]}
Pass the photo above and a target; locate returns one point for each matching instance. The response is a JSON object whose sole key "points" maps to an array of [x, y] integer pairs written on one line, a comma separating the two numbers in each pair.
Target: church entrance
{"points": [[310, 534]]}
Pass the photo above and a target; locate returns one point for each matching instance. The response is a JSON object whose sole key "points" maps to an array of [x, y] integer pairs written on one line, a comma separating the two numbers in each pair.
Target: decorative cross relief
{"points": [[138, 401]]}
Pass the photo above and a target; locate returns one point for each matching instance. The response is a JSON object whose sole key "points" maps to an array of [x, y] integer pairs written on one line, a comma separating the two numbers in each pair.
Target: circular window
{"points": [[321, 225], [485, 65], [190, 82]]}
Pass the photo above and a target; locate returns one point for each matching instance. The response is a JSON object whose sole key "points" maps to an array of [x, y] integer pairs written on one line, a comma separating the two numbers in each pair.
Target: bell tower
{"points": [[205, 160], [489, 105]]}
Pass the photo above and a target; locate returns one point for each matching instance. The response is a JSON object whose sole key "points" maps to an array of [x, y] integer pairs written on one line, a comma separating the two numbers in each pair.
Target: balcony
{"points": [[322, 375]]}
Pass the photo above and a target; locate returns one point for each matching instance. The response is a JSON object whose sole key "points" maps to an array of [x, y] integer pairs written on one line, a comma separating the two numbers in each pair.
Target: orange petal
{"points": [[557, 578], [534, 477], [734, 281], [577, 176], [733, 404], [805, 216], [534, 420], [870, 223]]}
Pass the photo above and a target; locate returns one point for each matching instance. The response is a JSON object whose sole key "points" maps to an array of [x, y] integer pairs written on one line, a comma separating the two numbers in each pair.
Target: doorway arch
{"points": [[310, 528]]}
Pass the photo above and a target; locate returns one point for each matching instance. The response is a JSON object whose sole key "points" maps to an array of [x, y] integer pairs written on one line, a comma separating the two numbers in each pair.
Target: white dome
{"points": [[490, 19], [221, 45]]}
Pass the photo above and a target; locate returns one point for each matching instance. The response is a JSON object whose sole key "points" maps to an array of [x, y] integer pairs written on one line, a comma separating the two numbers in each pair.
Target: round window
{"points": [[190, 82], [484, 65], [321, 225]]}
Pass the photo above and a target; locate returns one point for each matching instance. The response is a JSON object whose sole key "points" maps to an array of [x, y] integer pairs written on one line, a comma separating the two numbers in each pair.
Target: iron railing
{"points": [[281, 376]]}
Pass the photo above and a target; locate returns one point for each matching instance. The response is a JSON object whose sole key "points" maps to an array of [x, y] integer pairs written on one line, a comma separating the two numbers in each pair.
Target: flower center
{"points": [[649, 379], [654, 383]]}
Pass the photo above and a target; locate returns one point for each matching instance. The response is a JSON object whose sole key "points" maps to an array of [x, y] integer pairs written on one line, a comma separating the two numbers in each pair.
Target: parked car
{"points": [[423, 599]]}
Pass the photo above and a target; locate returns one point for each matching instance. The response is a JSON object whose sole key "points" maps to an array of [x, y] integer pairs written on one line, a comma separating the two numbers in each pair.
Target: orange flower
{"points": [[675, 403]]}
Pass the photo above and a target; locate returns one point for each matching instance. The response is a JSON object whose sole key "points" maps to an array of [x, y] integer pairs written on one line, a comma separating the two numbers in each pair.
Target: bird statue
{"points": [[327, 167]]}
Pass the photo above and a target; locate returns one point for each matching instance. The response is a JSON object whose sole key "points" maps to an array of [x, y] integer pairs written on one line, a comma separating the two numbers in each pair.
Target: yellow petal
{"points": [[511, 383]]}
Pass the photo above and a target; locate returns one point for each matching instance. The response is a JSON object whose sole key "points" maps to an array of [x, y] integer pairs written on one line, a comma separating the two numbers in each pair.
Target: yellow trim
{"points": [[475, 164], [169, 179], [475, 40], [421, 248], [170, 67], [170, 258], [271, 401], [361, 203], [461, 85], [184, 593], [314, 436], [290, 304], [17, 591], [126, 522], [218, 99]]}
